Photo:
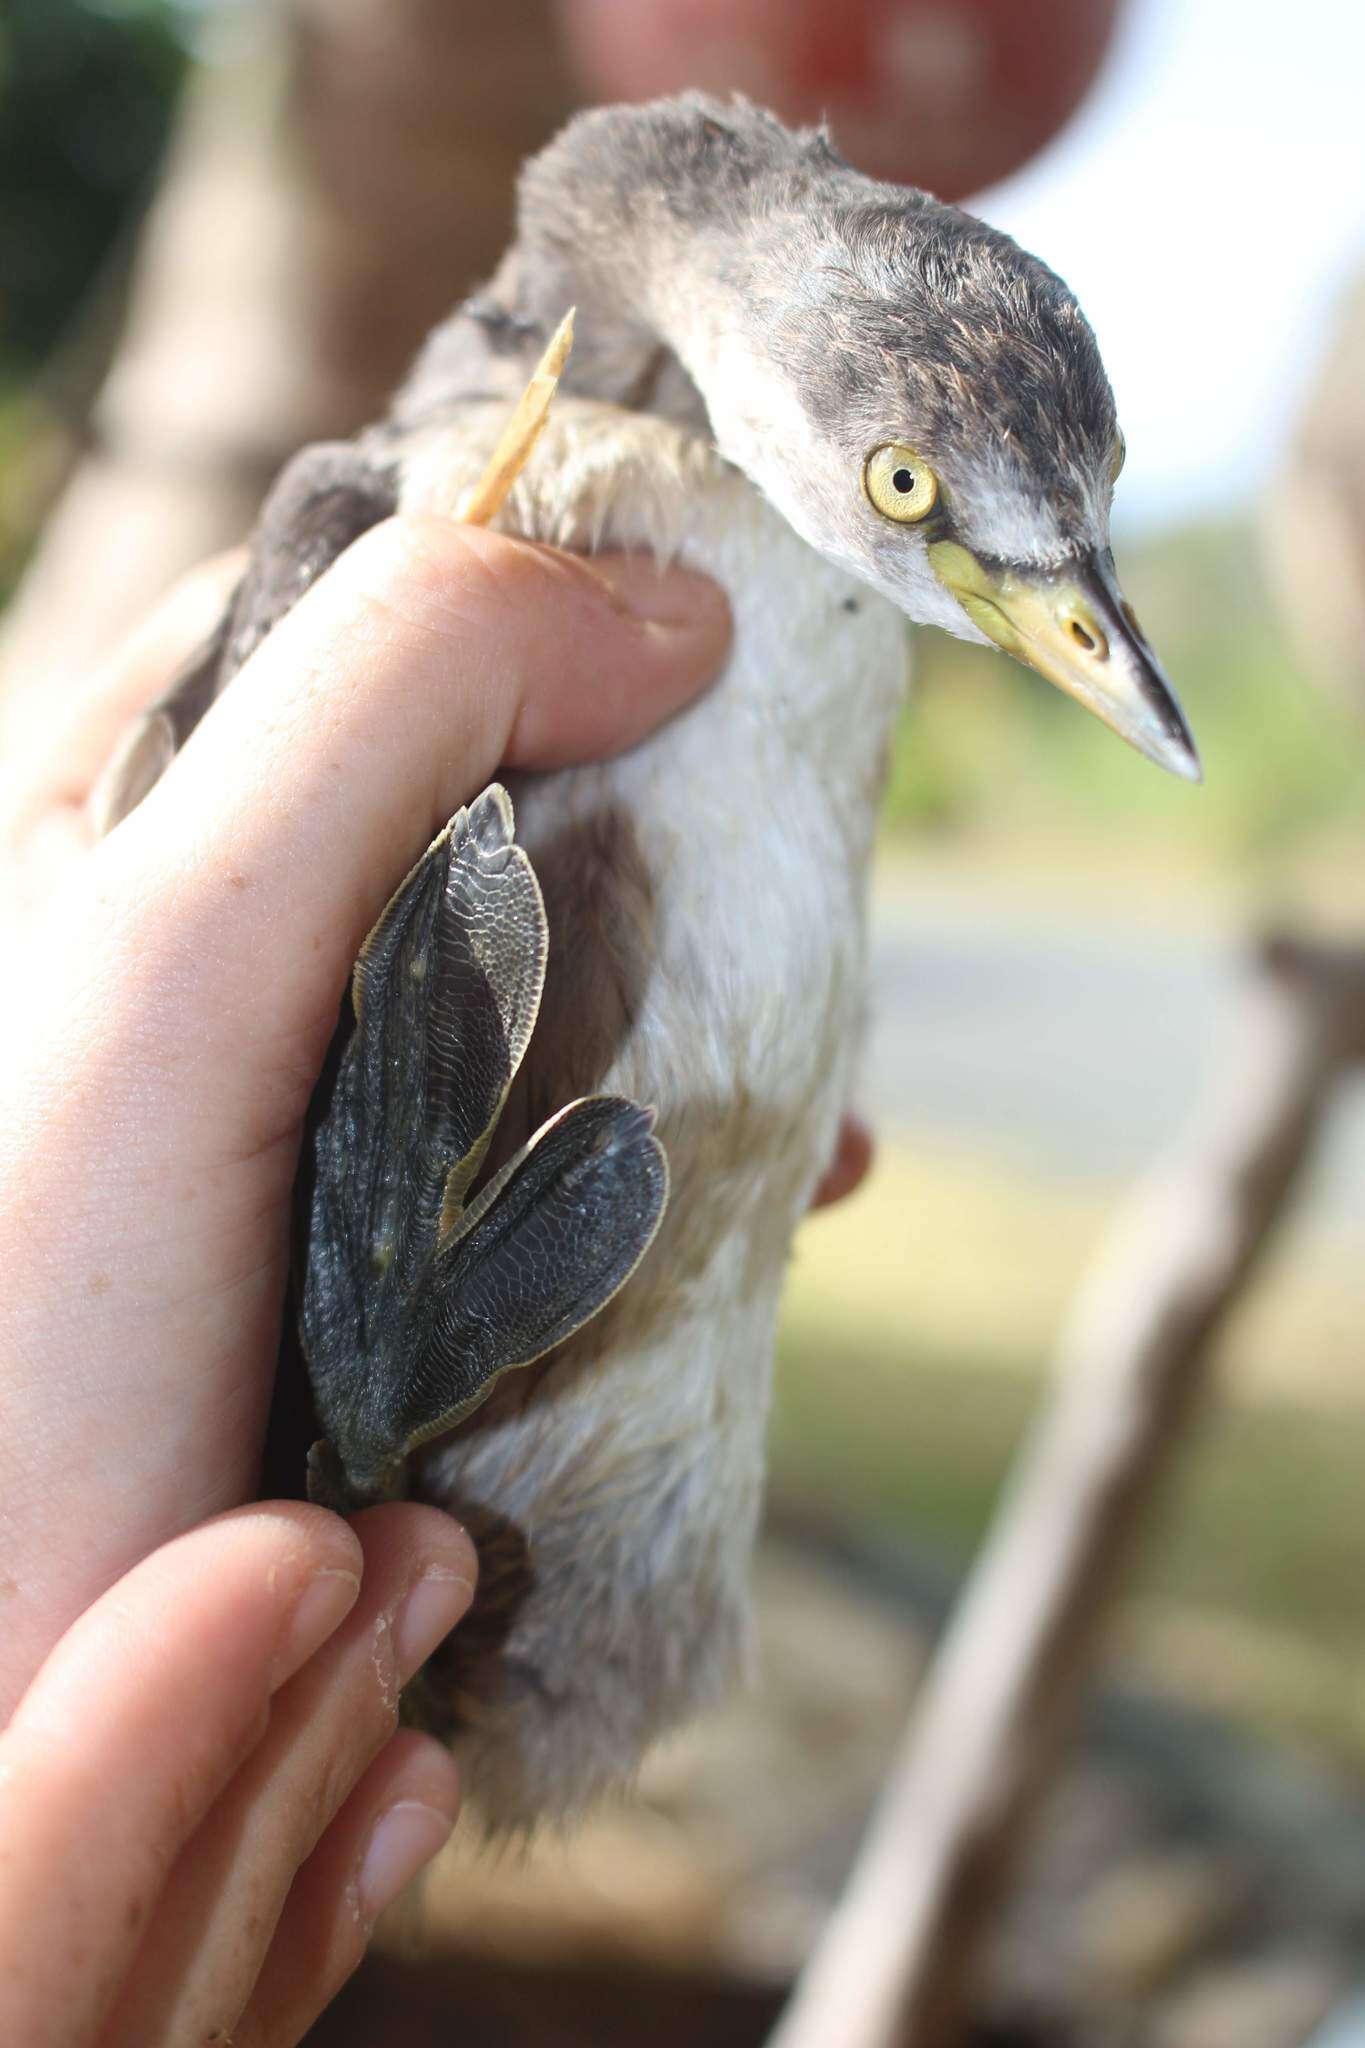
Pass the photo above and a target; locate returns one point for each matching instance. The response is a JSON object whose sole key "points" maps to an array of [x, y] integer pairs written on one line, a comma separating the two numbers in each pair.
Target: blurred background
{"points": [[223, 228]]}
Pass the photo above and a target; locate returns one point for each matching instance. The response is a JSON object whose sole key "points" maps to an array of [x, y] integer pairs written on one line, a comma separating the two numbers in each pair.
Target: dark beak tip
{"points": [[1187, 764], [1177, 752]]}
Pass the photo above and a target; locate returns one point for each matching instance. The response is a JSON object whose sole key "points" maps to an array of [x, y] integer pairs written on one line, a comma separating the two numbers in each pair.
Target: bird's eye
{"points": [[899, 484], [1120, 456]]}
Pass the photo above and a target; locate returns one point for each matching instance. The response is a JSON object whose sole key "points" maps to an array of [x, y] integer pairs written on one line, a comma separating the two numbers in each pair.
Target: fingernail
{"points": [[672, 597], [321, 1608], [402, 1841], [431, 1610]]}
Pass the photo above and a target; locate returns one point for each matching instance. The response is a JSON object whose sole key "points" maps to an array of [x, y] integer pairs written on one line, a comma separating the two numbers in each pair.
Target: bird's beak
{"points": [[1076, 628]]}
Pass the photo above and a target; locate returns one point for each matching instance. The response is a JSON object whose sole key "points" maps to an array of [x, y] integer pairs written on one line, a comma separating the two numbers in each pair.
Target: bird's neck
{"points": [[644, 219]]}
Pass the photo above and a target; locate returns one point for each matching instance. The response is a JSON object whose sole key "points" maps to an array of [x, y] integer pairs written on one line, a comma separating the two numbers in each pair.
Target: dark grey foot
{"points": [[415, 1299]]}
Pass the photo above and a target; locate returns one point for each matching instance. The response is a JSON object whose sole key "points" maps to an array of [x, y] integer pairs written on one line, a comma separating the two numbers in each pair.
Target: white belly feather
{"points": [[706, 901]]}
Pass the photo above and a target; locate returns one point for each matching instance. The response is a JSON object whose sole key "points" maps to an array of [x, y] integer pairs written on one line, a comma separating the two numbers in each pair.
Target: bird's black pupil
{"points": [[904, 481]]}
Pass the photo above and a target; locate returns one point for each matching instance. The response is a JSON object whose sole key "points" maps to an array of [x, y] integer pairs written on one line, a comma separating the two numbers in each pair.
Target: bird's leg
{"points": [[414, 1297]]}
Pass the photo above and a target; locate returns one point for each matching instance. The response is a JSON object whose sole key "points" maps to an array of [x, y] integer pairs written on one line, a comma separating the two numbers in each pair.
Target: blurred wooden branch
{"points": [[1314, 531], [341, 171], [896, 1965]]}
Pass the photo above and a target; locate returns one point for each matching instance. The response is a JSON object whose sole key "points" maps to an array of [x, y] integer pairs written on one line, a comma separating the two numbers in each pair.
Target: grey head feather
{"points": [[733, 272]]}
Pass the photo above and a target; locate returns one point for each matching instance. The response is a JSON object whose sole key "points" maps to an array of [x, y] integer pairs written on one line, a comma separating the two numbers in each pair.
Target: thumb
{"points": [[430, 654]]}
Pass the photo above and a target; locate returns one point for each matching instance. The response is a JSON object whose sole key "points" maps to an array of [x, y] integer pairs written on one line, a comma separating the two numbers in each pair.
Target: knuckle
{"points": [[368, 1712], [384, 1667], [421, 572], [429, 576], [358, 1719], [342, 1951]]}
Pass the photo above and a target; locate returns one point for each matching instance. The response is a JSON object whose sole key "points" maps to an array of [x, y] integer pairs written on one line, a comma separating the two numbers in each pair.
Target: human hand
{"points": [[175, 986], [203, 1802]]}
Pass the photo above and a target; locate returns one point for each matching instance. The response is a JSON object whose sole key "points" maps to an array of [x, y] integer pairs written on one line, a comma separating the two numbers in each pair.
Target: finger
{"points": [[55, 759], [55, 764], [849, 1167], [427, 656], [204, 1951], [128, 1734], [399, 1816]]}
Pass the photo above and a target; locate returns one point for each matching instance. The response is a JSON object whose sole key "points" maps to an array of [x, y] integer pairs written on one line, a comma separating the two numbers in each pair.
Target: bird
{"points": [[851, 405]]}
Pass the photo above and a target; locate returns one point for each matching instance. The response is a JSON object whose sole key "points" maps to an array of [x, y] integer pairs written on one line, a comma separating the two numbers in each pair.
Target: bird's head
{"points": [[926, 405]]}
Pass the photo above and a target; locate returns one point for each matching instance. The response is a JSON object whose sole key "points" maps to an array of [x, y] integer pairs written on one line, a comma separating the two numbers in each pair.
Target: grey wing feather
{"points": [[153, 740], [323, 500]]}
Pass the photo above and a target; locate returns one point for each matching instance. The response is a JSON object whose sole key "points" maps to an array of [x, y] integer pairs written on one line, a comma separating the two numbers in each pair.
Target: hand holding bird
{"points": [[181, 979], [848, 403]]}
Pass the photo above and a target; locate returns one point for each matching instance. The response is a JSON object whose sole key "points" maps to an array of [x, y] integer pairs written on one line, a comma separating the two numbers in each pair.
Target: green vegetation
{"points": [[1263, 1521], [86, 96], [86, 93], [905, 1386]]}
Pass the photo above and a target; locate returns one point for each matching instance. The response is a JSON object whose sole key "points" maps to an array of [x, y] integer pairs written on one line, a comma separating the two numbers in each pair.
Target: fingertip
{"points": [[854, 1152], [421, 1538], [603, 648], [310, 1537], [363, 1861], [416, 1787], [414, 1765], [665, 594], [650, 639], [323, 1604], [312, 1562]]}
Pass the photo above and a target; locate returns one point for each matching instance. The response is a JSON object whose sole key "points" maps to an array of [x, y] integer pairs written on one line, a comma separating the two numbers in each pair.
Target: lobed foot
{"points": [[416, 1297]]}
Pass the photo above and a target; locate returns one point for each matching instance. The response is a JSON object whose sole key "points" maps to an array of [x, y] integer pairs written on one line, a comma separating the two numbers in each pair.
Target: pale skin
{"points": [[203, 1799]]}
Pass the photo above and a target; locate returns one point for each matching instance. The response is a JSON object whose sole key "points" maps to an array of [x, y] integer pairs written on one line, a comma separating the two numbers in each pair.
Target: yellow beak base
{"points": [[1075, 627]]}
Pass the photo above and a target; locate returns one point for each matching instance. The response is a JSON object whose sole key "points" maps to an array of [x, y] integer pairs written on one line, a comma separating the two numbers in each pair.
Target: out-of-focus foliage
{"points": [[917, 1330], [86, 93]]}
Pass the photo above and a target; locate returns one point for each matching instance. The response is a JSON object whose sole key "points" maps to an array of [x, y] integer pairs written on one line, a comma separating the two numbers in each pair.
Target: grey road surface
{"points": [[1068, 1045]]}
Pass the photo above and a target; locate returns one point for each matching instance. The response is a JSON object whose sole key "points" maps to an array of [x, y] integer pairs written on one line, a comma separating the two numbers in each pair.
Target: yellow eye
{"points": [[899, 484], [1120, 457]]}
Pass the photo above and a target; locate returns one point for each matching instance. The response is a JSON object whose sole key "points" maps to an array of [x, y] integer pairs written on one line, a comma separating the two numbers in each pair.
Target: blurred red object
{"points": [[948, 94]]}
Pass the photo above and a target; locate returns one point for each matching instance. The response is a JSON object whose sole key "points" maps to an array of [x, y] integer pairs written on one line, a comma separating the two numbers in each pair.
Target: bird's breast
{"points": [[705, 891], [705, 901]]}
